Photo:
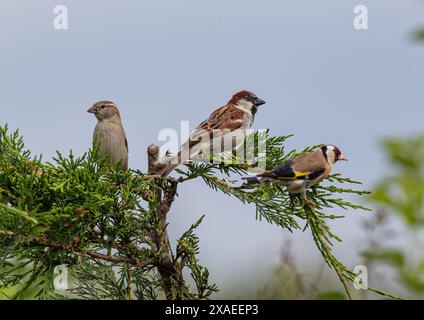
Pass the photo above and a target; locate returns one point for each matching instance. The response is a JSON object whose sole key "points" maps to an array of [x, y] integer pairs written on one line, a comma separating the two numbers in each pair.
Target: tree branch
{"points": [[169, 271], [92, 253], [154, 160]]}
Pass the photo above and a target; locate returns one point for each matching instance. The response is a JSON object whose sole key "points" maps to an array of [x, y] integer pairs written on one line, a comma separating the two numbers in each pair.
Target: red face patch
{"points": [[337, 153]]}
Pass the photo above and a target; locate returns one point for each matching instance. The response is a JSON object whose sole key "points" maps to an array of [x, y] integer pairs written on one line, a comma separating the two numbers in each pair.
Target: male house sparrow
{"points": [[237, 115], [302, 172], [109, 133]]}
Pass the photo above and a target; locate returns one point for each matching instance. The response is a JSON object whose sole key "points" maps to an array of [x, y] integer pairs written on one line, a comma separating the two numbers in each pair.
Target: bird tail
{"points": [[168, 169], [173, 162], [251, 180], [265, 176]]}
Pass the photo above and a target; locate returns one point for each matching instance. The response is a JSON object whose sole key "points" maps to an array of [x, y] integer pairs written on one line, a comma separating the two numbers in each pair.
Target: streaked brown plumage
{"points": [[237, 114], [110, 134]]}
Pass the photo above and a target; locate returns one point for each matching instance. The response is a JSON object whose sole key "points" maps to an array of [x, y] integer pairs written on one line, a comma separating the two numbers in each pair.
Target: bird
{"points": [[231, 119], [302, 172], [109, 133]]}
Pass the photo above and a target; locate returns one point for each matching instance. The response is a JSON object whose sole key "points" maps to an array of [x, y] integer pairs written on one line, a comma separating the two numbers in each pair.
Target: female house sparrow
{"points": [[302, 172], [237, 115], [109, 133]]}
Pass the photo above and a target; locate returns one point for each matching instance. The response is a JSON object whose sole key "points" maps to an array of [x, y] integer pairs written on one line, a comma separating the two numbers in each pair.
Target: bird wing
{"points": [[308, 166], [225, 118]]}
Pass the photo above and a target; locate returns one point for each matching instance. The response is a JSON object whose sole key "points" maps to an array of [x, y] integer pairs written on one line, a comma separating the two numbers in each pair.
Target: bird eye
{"points": [[103, 106]]}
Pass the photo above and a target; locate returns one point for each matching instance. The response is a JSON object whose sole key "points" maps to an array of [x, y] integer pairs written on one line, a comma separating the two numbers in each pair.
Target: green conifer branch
{"points": [[110, 227]]}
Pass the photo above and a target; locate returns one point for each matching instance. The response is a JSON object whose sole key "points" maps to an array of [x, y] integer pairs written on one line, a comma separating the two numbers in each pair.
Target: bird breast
{"points": [[111, 139], [247, 120], [248, 117]]}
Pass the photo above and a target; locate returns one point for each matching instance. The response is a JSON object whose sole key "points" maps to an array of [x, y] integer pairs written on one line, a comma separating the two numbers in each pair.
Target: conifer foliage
{"points": [[109, 228]]}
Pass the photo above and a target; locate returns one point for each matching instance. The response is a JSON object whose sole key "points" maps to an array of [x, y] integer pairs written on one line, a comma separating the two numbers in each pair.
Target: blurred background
{"points": [[165, 61]]}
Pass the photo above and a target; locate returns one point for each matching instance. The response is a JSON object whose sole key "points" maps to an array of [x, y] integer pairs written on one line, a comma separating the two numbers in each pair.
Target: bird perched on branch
{"points": [[109, 133], [230, 120], [302, 172]]}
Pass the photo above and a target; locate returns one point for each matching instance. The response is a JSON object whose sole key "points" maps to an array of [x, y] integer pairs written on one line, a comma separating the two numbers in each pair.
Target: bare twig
{"points": [[169, 271], [154, 159]]}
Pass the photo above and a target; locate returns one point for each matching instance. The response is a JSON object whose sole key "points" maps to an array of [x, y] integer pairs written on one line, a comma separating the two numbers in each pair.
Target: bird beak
{"points": [[259, 102], [342, 157], [92, 110]]}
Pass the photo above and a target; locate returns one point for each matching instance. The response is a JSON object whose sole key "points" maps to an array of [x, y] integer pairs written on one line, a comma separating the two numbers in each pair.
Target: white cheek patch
{"points": [[245, 106], [330, 155]]}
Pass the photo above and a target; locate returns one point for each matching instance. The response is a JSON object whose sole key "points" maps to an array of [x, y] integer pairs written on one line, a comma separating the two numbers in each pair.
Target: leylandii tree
{"points": [[109, 228]]}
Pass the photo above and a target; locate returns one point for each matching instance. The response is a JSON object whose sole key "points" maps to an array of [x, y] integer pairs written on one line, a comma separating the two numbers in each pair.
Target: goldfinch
{"points": [[237, 115], [110, 134], [302, 172]]}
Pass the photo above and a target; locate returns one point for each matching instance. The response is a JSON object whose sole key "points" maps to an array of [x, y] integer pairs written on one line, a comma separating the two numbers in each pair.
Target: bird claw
{"points": [[309, 203]]}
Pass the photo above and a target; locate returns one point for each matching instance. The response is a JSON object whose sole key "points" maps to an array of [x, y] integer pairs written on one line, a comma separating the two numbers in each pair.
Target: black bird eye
{"points": [[103, 106]]}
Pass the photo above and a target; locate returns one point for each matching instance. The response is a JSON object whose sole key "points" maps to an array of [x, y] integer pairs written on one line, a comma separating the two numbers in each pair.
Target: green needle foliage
{"points": [[109, 228], [400, 196], [419, 34]]}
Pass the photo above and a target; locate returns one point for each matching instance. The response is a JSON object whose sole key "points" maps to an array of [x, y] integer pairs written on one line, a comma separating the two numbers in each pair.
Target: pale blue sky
{"points": [[167, 61]]}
